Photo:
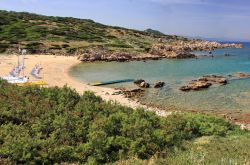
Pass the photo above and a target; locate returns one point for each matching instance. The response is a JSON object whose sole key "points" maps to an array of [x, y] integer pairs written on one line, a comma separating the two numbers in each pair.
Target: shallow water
{"points": [[232, 97]]}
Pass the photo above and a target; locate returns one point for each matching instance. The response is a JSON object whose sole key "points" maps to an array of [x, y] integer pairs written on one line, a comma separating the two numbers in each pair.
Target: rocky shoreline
{"points": [[201, 83], [174, 50]]}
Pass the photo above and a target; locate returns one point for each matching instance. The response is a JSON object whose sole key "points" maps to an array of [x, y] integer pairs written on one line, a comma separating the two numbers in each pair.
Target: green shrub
{"points": [[65, 46], [205, 125], [59, 32], [34, 47], [55, 47], [3, 47], [71, 50], [57, 125]]}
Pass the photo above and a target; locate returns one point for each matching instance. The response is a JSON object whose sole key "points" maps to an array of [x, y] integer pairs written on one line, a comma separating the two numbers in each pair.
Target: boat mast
{"points": [[18, 60], [23, 53]]}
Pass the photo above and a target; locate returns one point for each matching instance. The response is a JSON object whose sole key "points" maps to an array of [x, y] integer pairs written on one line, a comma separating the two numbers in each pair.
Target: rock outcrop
{"points": [[174, 49], [183, 49], [119, 56], [214, 79], [204, 82], [94, 54], [168, 51]]}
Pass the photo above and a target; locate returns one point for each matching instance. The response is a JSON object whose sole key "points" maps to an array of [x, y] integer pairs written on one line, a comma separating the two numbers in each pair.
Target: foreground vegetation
{"points": [[43, 34], [57, 125]]}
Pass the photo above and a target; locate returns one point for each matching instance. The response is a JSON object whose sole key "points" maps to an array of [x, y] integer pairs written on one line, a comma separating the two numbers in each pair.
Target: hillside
{"points": [[92, 41], [41, 34]]}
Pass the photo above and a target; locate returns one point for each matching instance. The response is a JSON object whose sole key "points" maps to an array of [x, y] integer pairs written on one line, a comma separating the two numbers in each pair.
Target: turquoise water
{"points": [[234, 97]]}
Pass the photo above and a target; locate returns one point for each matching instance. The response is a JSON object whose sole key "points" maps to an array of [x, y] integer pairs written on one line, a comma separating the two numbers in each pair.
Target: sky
{"points": [[221, 19]]}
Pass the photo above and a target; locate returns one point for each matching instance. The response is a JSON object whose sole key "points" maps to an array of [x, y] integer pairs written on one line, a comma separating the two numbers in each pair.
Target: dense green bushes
{"points": [[53, 125]]}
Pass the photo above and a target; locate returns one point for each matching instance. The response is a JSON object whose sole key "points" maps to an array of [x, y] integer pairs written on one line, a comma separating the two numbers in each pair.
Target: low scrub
{"points": [[57, 125]]}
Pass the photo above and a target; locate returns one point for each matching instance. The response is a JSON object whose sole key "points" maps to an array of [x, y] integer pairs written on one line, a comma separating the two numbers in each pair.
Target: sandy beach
{"points": [[55, 73]]}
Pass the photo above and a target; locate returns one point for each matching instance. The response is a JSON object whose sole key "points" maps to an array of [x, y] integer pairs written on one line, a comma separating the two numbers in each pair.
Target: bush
{"points": [[3, 47], [71, 50], [34, 47], [65, 46], [57, 125], [205, 125], [55, 47], [59, 32]]}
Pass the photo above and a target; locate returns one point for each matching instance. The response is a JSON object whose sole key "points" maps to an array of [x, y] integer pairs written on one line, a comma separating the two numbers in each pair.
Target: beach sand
{"points": [[56, 73]]}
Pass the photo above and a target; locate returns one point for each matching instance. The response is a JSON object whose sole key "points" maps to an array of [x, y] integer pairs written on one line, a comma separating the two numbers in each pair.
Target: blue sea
{"points": [[231, 98]]}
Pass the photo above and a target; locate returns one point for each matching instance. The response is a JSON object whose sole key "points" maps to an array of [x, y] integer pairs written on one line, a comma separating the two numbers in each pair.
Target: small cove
{"points": [[231, 98]]}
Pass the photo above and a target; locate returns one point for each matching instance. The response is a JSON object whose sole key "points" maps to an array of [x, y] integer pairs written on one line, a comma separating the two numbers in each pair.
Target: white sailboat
{"points": [[14, 76], [36, 71], [18, 80]]}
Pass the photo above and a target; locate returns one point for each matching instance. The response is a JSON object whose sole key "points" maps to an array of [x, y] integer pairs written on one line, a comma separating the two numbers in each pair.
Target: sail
{"points": [[15, 71], [24, 51], [36, 71]]}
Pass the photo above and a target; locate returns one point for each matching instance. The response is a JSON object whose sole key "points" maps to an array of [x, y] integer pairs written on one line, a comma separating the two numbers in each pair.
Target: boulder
{"points": [[144, 85], [196, 85], [159, 84], [139, 81]]}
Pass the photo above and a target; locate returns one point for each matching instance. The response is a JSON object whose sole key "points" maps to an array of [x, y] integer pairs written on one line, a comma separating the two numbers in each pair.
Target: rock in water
{"points": [[241, 75], [144, 85], [204, 82], [196, 85], [138, 82], [214, 78], [159, 84], [201, 85]]}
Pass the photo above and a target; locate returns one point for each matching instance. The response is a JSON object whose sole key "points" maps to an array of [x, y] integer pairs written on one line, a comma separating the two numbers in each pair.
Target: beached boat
{"points": [[110, 82], [36, 71], [14, 75], [36, 83]]}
